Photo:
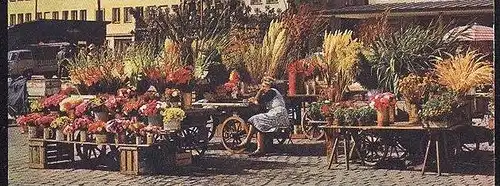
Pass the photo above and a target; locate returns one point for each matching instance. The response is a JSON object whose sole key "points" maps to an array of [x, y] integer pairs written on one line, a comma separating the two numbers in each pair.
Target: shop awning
{"points": [[428, 8]]}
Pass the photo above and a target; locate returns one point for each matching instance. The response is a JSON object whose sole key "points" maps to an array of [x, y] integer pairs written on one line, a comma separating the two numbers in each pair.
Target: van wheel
{"points": [[28, 74]]}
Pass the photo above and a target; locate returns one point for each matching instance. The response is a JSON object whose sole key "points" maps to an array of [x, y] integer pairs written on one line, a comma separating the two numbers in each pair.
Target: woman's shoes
{"points": [[257, 153]]}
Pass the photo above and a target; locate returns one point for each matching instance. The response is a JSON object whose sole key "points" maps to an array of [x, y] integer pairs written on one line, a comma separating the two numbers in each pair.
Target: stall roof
{"points": [[51, 31], [413, 9]]}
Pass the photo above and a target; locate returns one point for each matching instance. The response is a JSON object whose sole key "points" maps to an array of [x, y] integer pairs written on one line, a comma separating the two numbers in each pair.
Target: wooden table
{"points": [[435, 134]]}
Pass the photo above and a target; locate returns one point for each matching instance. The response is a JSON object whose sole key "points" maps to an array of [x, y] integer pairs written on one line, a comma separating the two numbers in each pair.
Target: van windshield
{"points": [[12, 56], [25, 55]]}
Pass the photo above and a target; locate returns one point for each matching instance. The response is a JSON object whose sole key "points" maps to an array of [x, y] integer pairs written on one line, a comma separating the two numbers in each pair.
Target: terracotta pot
{"points": [[120, 138], [149, 138], [383, 117], [172, 125], [413, 113], [101, 138], [83, 136], [60, 135], [155, 120], [101, 116], [46, 133], [32, 132], [187, 100]]}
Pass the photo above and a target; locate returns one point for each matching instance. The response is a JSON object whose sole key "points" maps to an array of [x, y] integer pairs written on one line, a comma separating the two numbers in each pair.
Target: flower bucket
{"points": [[383, 117], [155, 120], [69, 137], [59, 135], [83, 136], [172, 125], [32, 132], [101, 116], [413, 113], [187, 100], [101, 138], [120, 138], [149, 138], [138, 140], [46, 133]]}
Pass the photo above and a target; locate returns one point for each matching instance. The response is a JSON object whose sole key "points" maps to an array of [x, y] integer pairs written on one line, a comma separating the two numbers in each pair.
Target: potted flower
{"points": [[58, 124], [96, 105], [351, 116], [413, 89], [45, 122], [114, 104], [135, 129], [117, 127], [172, 118], [367, 115], [172, 95], [131, 107], [384, 104], [150, 131], [29, 121], [36, 106], [51, 103], [82, 124], [83, 109], [152, 111], [98, 129], [438, 111], [339, 116]]}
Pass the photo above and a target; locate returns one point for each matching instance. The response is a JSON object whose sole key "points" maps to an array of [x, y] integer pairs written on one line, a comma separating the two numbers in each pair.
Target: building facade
{"points": [[264, 5], [119, 31]]}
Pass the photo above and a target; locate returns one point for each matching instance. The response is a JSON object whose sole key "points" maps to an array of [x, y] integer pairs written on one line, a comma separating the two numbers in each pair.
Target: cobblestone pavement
{"points": [[301, 163]]}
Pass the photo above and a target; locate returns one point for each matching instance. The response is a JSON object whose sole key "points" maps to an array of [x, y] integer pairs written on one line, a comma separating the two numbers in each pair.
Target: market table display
{"points": [[369, 153]]}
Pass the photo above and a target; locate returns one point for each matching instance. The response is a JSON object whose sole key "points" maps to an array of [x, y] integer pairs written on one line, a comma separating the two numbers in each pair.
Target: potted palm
{"points": [[172, 118]]}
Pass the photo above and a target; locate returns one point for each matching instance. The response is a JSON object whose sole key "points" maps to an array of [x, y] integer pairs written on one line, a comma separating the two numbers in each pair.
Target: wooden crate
{"points": [[43, 154], [135, 160]]}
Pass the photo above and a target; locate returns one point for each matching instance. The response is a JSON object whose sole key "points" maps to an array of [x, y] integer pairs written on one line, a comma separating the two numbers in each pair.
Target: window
{"points": [[83, 15], [55, 15], [46, 15], [101, 15], [65, 15], [38, 16], [127, 17], [74, 15], [271, 1], [20, 18], [115, 17], [28, 17], [12, 19], [255, 2], [25, 55]]}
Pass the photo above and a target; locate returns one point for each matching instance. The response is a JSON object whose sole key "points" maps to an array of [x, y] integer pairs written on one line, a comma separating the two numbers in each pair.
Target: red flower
{"points": [[81, 109], [45, 121]]}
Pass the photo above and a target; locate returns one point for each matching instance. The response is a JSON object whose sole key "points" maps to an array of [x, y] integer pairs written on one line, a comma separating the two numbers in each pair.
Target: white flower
{"points": [[142, 108], [372, 104], [175, 93]]}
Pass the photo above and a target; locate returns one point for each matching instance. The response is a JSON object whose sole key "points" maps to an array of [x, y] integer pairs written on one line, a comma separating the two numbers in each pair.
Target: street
{"points": [[300, 163]]}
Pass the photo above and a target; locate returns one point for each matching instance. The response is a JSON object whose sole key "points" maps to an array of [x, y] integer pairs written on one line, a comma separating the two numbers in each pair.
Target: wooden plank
{"points": [[123, 160], [136, 163], [129, 160]]}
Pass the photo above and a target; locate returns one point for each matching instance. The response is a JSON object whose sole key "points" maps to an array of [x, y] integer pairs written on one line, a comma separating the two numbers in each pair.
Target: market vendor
{"points": [[275, 117]]}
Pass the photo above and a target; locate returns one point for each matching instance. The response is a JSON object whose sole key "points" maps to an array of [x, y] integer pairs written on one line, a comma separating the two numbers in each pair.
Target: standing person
{"points": [[275, 117]]}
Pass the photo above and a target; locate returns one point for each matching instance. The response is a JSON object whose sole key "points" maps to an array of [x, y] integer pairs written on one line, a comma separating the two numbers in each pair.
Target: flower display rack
{"points": [[43, 153]]}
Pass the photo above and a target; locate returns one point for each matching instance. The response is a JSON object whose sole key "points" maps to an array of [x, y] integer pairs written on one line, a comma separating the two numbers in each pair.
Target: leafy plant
{"points": [[367, 115], [414, 88], [408, 50], [274, 47], [351, 116], [439, 108], [339, 115], [462, 72]]}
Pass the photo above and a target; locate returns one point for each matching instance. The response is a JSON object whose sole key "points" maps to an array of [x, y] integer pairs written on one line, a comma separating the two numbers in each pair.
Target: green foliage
{"points": [[339, 114], [439, 108], [409, 50], [351, 116], [367, 115]]}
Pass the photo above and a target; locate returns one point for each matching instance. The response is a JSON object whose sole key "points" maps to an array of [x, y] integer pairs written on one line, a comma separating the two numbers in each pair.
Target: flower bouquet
{"points": [[51, 103], [384, 103], [114, 103], [68, 105], [83, 109], [59, 124], [131, 107], [172, 95], [172, 118], [82, 124], [152, 110], [45, 122], [36, 106], [414, 88], [98, 129], [97, 106], [117, 127], [29, 121]]}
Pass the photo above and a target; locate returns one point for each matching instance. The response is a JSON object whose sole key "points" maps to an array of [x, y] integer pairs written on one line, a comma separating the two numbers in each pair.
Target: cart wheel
{"points": [[372, 148], [194, 138], [311, 130], [211, 126], [396, 150], [234, 131]]}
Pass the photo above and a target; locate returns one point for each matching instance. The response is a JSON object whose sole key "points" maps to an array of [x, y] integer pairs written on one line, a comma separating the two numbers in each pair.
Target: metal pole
{"points": [[99, 12], [36, 8]]}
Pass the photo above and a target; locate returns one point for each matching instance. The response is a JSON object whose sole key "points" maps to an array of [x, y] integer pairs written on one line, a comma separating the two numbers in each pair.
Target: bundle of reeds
{"points": [[273, 47]]}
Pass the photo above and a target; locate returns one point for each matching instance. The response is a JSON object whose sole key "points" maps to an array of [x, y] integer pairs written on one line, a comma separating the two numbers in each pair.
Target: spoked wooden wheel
{"points": [[211, 126], [234, 131], [194, 138], [311, 130], [396, 150], [372, 148]]}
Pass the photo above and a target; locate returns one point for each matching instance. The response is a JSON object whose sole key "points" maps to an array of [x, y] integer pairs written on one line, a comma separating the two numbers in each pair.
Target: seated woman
{"points": [[275, 117]]}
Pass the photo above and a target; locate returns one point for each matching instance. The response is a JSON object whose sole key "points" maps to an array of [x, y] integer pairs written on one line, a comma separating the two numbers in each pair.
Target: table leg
{"points": [[346, 153], [426, 154], [437, 158], [332, 154]]}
